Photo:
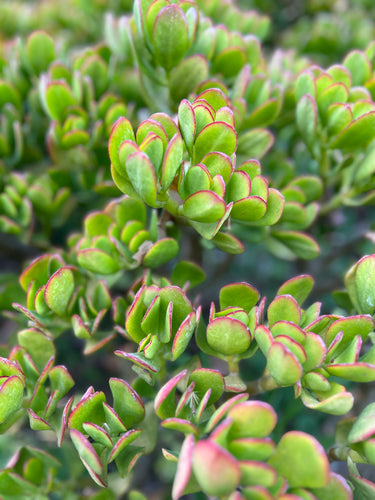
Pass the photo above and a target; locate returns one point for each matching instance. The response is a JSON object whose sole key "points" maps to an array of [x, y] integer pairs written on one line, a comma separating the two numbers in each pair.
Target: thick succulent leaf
{"points": [[89, 409], [86, 451], [180, 425], [350, 326], [255, 143], [170, 36], [215, 469], [187, 75], [298, 287], [187, 123], [254, 419], [364, 426], [184, 467], [126, 402], [40, 50], [336, 401], [11, 397], [228, 243], [301, 459], [257, 473], [275, 207], [284, 308], [283, 365], [306, 118], [204, 206], [165, 406], [357, 134], [121, 131], [250, 209], [186, 272], [259, 449], [359, 283], [98, 434], [39, 346], [357, 372], [172, 161], [125, 440], [337, 488], [142, 176], [58, 98], [161, 252], [183, 335], [217, 136], [59, 290], [228, 336], [238, 294], [204, 379], [300, 244], [97, 261]]}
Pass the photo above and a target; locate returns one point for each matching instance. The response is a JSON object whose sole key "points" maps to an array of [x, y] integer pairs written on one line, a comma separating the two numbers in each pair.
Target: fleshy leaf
{"points": [[215, 469], [300, 458], [228, 336]]}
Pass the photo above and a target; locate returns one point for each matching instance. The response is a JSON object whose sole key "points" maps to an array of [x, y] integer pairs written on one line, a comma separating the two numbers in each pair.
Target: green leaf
{"points": [[186, 272], [229, 61], [121, 131], [359, 66], [164, 403], [187, 75], [257, 473], [161, 252], [283, 365], [228, 336], [184, 467], [142, 176], [215, 469], [11, 397], [250, 209], [255, 143], [187, 124], [40, 51], [300, 244], [217, 136], [305, 84], [89, 409], [39, 346], [357, 134], [97, 261], [364, 426], [9, 94], [126, 402], [204, 379], [306, 118], [238, 294], [58, 98], [172, 161], [298, 287], [86, 451], [183, 335], [336, 401], [204, 206], [300, 458], [170, 36], [228, 243], [284, 308], [252, 419], [59, 290], [359, 281]]}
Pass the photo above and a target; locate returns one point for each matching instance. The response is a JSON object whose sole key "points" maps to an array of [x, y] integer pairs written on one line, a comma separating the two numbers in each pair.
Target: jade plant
{"points": [[187, 294]]}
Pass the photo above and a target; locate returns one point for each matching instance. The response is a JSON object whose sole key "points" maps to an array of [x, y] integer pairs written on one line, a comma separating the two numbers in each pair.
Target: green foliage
{"points": [[135, 161]]}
